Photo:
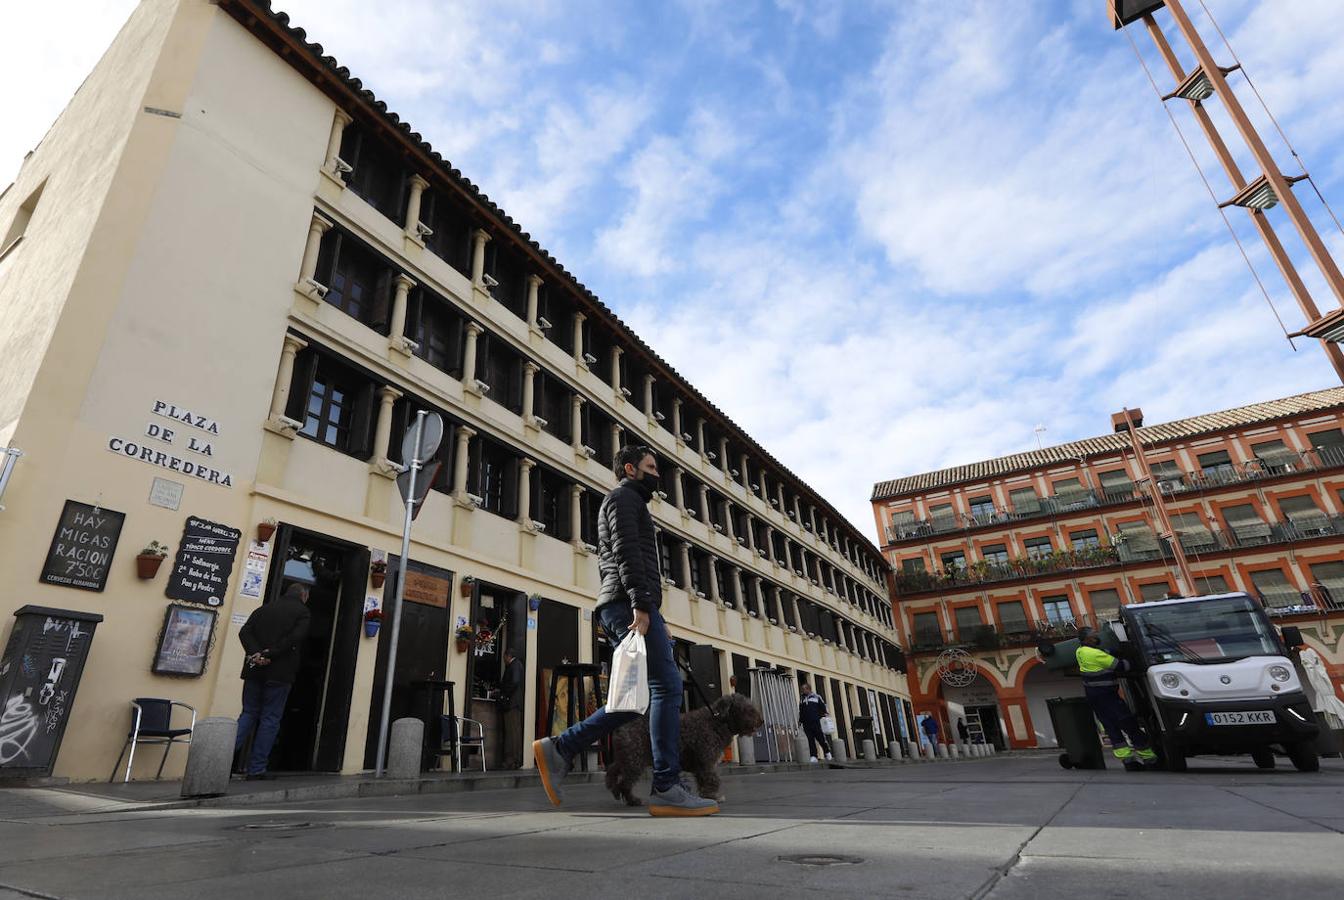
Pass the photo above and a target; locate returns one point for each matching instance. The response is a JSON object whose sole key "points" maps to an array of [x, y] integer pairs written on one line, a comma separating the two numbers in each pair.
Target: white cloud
{"points": [[46, 51]]}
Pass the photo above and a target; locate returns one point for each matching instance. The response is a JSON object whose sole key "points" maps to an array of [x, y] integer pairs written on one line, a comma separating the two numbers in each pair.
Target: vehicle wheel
{"points": [[1065, 761], [1173, 755], [1303, 755], [1264, 757]]}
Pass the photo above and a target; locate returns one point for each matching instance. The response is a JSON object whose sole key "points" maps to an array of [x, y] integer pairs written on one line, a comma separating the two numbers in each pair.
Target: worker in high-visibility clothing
{"points": [[1101, 685]]}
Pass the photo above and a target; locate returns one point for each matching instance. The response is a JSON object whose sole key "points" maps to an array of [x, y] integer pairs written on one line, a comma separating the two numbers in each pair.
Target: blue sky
{"points": [[884, 238]]}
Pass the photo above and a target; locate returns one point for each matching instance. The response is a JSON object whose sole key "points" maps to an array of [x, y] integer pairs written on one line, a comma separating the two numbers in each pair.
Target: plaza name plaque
{"points": [[204, 560], [82, 547]]}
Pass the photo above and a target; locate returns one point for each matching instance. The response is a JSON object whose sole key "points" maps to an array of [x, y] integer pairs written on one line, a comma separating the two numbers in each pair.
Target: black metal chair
{"points": [[152, 723], [458, 737]]}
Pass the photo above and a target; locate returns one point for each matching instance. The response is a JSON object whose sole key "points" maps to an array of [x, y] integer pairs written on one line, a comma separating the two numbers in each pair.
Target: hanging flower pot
{"points": [[147, 565], [265, 529], [463, 637], [372, 620], [462, 646], [149, 559]]}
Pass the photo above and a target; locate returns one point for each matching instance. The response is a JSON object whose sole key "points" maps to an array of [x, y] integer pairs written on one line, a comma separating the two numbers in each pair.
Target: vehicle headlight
{"points": [[1170, 680], [1280, 673]]}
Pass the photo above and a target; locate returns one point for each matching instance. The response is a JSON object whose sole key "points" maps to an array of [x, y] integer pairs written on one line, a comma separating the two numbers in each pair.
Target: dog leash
{"points": [[699, 691]]}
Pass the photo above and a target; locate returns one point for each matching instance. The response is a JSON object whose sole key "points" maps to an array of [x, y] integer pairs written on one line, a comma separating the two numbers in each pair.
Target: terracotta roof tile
{"points": [[1194, 426]]}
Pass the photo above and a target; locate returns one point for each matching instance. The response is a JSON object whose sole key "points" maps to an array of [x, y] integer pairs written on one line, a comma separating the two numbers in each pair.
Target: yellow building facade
{"points": [[229, 281]]}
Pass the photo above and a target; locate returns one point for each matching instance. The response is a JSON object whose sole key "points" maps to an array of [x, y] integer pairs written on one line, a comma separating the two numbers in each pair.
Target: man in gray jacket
{"points": [[629, 600]]}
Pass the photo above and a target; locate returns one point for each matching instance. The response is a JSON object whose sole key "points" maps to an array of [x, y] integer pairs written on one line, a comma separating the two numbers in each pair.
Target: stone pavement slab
{"points": [[1007, 827]]}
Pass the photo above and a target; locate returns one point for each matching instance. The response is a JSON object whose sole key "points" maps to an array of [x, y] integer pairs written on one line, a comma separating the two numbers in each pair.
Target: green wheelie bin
{"points": [[1076, 731]]}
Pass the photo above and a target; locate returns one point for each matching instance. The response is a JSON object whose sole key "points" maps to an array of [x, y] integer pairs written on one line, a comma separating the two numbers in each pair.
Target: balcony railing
{"points": [[993, 637], [1170, 483], [1022, 567], [1320, 600], [1127, 548]]}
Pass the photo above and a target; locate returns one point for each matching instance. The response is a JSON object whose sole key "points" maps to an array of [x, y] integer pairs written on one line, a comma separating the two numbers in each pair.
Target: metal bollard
{"points": [[209, 757], [404, 748]]}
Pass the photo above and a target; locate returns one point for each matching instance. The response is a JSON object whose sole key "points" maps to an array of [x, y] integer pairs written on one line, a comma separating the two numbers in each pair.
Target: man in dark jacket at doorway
{"points": [[511, 704], [629, 600], [273, 638]]}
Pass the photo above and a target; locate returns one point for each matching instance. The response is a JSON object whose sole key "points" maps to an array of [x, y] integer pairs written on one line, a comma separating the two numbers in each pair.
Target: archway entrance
{"points": [[977, 704], [1040, 685]]}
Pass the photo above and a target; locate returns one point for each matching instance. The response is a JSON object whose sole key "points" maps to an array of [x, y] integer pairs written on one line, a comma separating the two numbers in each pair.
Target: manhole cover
{"points": [[821, 859], [283, 826]]}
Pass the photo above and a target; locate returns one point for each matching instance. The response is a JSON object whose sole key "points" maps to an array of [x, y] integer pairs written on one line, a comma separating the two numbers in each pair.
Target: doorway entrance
{"points": [[499, 617], [557, 645], [422, 651], [317, 713]]}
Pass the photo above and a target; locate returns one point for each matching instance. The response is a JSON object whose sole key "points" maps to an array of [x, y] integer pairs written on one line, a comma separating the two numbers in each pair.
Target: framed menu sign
{"points": [[204, 560], [82, 547]]}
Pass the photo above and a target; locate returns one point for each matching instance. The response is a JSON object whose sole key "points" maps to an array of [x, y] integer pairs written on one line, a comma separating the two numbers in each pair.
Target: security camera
{"points": [[489, 281]]}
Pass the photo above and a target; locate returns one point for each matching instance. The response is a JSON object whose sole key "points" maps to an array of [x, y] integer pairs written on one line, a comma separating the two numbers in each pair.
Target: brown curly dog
{"points": [[705, 734]]}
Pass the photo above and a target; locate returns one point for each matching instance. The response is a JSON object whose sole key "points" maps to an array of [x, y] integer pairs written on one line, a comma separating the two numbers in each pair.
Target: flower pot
{"points": [[377, 579], [147, 565], [462, 646], [371, 628], [264, 531]]}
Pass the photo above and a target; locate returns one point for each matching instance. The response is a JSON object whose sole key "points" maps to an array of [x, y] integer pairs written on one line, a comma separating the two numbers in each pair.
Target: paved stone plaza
{"points": [[1009, 827]]}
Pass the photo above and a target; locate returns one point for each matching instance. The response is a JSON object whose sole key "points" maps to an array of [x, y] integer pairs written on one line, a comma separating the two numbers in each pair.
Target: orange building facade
{"points": [[991, 557]]}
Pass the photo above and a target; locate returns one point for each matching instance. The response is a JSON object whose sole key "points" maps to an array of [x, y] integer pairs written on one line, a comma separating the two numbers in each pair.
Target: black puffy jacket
{"points": [[627, 548]]}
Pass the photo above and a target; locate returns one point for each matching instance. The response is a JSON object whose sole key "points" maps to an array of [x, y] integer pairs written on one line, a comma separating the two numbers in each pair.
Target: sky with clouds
{"points": [[885, 237]]}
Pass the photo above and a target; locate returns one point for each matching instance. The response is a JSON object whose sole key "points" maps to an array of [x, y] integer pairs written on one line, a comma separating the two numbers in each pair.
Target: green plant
{"points": [[155, 549]]}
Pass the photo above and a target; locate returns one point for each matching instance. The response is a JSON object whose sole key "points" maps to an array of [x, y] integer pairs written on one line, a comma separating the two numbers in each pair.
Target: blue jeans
{"points": [[263, 707], [664, 699]]}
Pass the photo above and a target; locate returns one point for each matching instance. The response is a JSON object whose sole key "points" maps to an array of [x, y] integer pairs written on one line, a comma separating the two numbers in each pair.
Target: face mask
{"points": [[649, 481]]}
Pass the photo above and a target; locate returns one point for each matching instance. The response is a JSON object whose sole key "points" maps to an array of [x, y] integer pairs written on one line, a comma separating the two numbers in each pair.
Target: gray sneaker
{"points": [[552, 767], [677, 801]]}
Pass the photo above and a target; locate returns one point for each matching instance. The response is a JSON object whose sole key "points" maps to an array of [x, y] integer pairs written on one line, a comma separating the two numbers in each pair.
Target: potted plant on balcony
{"points": [[378, 572], [147, 562], [372, 620], [463, 637], [266, 528]]}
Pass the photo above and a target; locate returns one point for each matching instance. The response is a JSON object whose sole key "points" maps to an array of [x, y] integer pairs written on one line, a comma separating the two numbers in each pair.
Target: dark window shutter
{"points": [[361, 422], [380, 309], [401, 415], [305, 370], [328, 251], [510, 493], [415, 310]]}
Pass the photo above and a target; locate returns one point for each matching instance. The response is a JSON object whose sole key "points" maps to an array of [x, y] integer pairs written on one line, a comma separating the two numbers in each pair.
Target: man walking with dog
{"points": [[629, 600]]}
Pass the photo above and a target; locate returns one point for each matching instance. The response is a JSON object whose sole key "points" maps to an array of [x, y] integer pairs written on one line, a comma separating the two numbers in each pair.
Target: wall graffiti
{"points": [[18, 724], [40, 670]]}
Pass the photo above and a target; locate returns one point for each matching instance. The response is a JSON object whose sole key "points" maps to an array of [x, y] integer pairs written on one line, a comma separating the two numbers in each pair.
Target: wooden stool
{"points": [[574, 674]]}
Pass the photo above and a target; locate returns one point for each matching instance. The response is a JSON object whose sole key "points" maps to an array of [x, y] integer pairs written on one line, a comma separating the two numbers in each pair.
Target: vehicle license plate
{"points": [[1259, 717]]}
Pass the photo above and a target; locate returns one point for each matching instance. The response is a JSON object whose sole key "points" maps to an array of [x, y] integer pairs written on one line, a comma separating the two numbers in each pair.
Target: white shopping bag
{"points": [[628, 689], [827, 725]]}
